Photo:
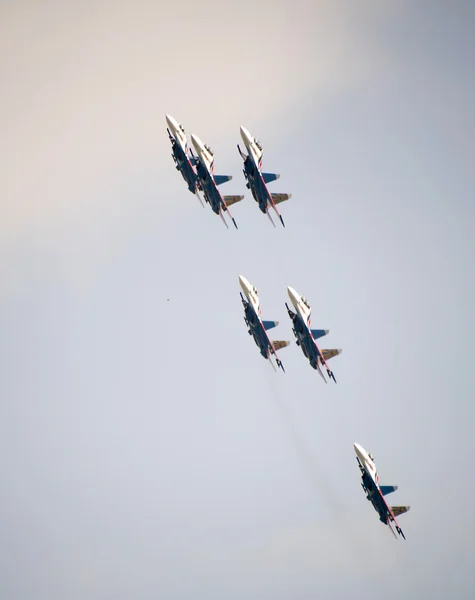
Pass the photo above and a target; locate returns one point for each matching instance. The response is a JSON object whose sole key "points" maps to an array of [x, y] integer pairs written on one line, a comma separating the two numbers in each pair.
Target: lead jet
{"points": [[375, 493], [306, 336], [184, 162], [209, 182], [257, 327], [256, 179]]}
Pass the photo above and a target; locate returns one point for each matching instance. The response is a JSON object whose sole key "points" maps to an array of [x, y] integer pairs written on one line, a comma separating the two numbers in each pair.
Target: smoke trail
{"points": [[308, 461], [317, 475]]}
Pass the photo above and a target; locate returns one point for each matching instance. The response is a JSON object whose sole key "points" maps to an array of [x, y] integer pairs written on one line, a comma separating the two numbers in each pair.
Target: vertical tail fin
{"points": [[387, 489]]}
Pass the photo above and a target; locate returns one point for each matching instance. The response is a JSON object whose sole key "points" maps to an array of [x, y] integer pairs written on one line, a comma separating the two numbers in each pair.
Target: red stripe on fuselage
{"points": [[316, 346], [393, 518], [269, 195], [268, 339]]}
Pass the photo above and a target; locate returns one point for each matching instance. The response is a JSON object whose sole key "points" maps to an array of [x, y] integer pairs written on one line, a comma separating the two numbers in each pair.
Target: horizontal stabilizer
{"points": [[387, 489], [219, 179], [230, 200], [399, 510], [268, 177], [279, 344], [327, 354], [270, 324], [318, 333], [280, 197]]}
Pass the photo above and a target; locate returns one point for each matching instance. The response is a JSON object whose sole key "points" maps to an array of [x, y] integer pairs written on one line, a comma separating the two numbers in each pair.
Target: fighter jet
{"points": [[258, 327], [375, 493], [181, 155], [209, 182], [306, 337], [256, 179]]}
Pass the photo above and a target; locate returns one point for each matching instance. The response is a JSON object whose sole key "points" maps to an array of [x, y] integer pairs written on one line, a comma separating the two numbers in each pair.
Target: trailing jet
{"points": [[258, 327], [375, 493], [209, 182], [181, 155], [306, 337], [256, 179]]}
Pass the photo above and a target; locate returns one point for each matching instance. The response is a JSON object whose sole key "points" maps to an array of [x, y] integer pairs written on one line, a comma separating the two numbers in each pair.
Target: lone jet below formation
{"points": [[209, 182], [375, 493], [256, 179], [181, 155], [258, 327], [306, 337]]}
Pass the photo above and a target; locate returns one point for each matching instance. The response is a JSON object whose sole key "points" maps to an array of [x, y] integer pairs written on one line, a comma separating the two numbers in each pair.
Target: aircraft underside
{"points": [[182, 165]]}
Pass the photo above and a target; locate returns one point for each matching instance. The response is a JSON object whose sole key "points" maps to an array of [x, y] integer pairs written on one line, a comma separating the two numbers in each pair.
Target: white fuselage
{"points": [[204, 153], [253, 147], [367, 462], [251, 293], [177, 131], [300, 304]]}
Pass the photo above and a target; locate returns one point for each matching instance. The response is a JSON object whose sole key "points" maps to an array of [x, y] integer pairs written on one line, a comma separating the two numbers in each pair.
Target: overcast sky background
{"points": [[146, 449]]}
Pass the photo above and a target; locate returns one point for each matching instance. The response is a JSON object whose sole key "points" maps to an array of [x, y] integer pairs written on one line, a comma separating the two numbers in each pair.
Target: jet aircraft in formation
{"points": [[301, 328], [198, 172], [306, 336], [257, 327], [209, 181], [181, 155], [256, 179], [375, 493]]}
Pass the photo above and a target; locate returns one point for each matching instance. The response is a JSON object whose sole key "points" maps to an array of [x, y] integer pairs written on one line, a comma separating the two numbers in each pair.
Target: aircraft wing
{"points": [[230, 200], [399, 510], [277, 198], [318, 333], [269, 324], [220, 179], [324, 356], [268, 177], [327, 354], [391, 517], [278, 345]]}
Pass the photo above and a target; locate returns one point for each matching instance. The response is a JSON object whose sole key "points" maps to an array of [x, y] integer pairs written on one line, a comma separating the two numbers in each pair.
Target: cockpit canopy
{"points": [[209, 150], [258, 144], [304, 301]]}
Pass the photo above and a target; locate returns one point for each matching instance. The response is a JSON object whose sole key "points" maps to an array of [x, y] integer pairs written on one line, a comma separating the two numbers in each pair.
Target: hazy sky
{"points": [[147, 450]]}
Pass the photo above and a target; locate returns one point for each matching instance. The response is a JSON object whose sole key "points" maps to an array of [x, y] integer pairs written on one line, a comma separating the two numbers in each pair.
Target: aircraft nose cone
{"points": [[172, 124], [360, 451], [246, 136], [293, 295], [245, 285]]}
